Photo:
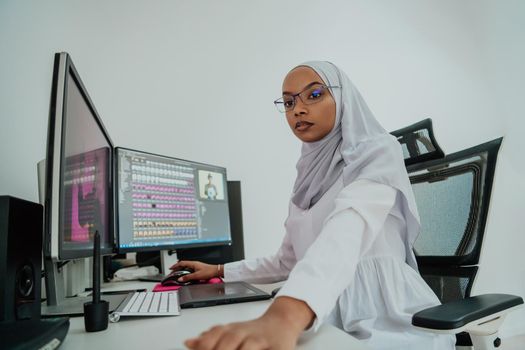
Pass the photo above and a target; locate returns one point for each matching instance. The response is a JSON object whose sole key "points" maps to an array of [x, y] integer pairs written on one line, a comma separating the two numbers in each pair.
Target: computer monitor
{"points": [[78, 183], [165, 203]]}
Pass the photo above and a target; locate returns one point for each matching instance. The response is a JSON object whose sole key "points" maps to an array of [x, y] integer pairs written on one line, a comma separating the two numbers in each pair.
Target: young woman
{"points": [[351, 226]]}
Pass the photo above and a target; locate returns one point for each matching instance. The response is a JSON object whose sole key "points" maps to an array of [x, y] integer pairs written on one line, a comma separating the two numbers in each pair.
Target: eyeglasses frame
{"points": [[294, 96]]}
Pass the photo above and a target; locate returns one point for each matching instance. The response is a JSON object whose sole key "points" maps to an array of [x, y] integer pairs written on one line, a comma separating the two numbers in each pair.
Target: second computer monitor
{"points": [[78, 179], [165, 203]]}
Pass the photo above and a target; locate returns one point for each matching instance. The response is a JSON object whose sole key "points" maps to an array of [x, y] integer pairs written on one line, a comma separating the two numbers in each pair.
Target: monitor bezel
{"points": [[170, 247], [53, 247]]}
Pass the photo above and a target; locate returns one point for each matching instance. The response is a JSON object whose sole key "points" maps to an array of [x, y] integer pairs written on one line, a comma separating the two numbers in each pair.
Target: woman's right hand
{"points": [[201, 271]]}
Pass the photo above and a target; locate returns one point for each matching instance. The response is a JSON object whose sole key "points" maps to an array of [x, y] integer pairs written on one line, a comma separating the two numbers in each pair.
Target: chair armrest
{"points": [[458, 314]]}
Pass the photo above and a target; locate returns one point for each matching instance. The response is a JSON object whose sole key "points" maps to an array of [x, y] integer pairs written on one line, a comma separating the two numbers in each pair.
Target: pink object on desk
{"points": [[160, 288], [214, 280]]}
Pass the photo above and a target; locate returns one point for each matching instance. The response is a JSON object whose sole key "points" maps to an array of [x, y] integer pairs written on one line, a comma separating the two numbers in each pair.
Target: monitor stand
{"points": [[59, 305], [167, 259]]}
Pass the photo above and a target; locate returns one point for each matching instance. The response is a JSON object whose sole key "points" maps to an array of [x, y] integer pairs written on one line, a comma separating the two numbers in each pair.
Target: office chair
{"points": [[453, 194]]}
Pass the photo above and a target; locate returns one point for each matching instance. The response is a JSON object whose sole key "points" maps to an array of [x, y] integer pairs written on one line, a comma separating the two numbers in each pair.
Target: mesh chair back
{"points": [[452, 194]]}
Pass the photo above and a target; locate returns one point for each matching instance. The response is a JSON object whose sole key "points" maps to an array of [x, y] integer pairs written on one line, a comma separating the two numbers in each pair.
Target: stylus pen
{"points": [[96, 269]]}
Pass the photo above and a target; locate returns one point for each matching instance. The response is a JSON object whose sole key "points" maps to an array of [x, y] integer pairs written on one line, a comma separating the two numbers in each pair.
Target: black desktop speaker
{"points": [[223, 254], [21, 224]]}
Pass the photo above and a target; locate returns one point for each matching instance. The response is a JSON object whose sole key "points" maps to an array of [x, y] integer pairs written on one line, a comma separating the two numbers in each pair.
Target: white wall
{"points": [[502, 53], [196, 80]]}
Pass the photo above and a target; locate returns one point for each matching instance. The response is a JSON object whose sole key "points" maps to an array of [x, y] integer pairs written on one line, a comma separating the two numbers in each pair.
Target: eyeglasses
{"points": [[313, 93]]}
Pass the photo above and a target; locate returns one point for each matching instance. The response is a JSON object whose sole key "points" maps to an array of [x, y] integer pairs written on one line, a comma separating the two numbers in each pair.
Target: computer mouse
{"points": [[172, 278]]}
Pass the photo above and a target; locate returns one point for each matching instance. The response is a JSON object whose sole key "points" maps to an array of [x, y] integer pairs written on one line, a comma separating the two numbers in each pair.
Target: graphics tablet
{"points": [[201, 295]]}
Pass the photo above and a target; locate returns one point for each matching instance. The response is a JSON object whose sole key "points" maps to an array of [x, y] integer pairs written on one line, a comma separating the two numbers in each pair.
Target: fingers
{"points": [[207, 340], [230, 341], [220, 338], [183, 264], [250, 335], [201, 271], [189, 277], [201, 274]]}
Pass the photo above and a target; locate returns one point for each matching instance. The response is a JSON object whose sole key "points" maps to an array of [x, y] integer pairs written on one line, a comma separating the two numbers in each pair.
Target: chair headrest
{"points": [[418, 142]]}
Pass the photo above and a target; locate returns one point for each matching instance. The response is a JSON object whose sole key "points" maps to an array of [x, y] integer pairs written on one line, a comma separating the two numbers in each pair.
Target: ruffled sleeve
{"points": [[329, 265]]}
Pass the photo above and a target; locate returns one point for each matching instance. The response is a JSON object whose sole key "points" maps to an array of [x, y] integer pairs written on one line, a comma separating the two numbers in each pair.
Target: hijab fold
{"points": [[357, 147]]}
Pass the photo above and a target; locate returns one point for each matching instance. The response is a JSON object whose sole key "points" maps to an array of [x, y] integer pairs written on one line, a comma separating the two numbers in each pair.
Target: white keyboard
{"points": [[147, 304]]}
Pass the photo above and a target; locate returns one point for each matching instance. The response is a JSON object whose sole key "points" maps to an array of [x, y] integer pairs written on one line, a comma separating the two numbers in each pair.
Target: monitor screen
{"points": [[168, 203], [78, 170]]}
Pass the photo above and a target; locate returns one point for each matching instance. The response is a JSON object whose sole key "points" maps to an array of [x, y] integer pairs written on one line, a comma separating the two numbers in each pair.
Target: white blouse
{"points": [[345, 257]]}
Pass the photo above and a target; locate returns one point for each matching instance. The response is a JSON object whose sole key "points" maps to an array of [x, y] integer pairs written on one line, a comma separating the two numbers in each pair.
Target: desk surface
{"points": [[170, 332]]}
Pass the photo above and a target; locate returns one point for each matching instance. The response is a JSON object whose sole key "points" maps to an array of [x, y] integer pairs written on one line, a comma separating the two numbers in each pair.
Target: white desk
{"points": [[148, 333]]}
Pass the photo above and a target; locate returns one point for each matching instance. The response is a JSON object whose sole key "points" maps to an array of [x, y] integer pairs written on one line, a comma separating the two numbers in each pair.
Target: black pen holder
{"points": [[96, 316]]}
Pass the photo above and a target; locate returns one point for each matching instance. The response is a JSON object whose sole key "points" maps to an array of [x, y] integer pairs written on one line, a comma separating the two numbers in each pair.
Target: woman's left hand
{"points": [[278, 329], [253, 335]]}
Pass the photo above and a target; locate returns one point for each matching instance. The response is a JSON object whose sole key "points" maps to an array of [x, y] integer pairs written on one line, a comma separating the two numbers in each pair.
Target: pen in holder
{"points": [[96, 311]]}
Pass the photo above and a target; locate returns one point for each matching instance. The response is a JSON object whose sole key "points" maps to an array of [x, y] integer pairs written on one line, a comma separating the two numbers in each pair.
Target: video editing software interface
{"points": [[164, 202], [83, 203]]}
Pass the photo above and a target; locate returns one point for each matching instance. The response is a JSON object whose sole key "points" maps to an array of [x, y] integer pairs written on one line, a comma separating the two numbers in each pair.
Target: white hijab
{"points": [[357, 147]]}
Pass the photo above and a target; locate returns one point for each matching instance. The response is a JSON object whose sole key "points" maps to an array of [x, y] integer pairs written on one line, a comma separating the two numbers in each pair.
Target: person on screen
{"points": [[210, 190], [347, 253]]}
